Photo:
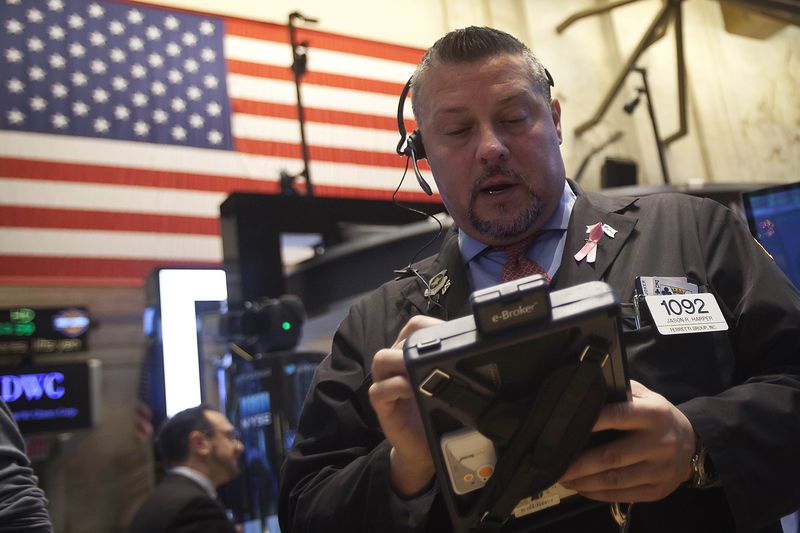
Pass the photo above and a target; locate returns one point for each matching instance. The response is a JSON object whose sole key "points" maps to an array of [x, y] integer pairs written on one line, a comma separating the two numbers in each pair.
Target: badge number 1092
{"points": [[686, 313]]}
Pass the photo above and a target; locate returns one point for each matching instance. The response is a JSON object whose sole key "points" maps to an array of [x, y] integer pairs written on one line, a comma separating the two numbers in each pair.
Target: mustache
{"points": [[492, 172]]}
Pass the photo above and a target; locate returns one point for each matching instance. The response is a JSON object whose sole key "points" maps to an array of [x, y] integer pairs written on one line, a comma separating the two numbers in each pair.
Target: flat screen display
{"points": [[773, 215], [52, 398]]}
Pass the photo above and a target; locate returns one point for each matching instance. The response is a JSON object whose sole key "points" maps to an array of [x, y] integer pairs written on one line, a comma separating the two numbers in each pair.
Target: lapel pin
{"points": [[438, 285], [589, 250], [608, 230]]}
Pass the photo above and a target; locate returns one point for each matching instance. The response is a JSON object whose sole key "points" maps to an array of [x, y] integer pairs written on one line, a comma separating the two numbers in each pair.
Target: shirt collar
{"points": [[559, 220], [198, 477]]}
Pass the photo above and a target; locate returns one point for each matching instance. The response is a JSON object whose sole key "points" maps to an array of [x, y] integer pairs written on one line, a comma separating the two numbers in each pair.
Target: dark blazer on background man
{"points": [[179, 505], [736, 387]]}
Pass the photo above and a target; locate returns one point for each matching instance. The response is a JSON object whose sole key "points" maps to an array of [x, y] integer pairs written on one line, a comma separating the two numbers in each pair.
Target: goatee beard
{"points": [[492, 227]]}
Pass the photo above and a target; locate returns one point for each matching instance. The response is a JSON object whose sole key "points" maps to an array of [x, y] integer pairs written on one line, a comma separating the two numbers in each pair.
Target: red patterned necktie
{"points": [[518, 265]]}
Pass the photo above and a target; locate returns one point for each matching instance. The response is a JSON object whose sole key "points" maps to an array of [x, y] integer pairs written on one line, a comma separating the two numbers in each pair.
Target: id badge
{"points": [[686, 313]]}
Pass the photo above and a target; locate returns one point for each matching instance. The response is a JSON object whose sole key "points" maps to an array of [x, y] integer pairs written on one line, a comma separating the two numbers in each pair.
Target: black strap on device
{"points": [[498, 421], [556, 429], [536, 446]]}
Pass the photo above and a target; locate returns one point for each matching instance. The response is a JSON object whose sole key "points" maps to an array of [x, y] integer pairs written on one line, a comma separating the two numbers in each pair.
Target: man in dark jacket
{"points": [[23, 506], [200, 447], [711, 430]]}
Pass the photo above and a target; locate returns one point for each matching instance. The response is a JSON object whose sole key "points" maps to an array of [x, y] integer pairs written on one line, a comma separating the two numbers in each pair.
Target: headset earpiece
{"points": [[413, 143], [416, 151]]}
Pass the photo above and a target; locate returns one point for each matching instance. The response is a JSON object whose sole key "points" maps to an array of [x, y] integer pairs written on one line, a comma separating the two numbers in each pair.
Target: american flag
{"points": [[123, 127]]}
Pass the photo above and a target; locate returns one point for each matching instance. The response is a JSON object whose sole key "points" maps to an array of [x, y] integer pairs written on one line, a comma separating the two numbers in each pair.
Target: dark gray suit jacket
{"points": [[179, 505], [740, 388], [23, 506]]}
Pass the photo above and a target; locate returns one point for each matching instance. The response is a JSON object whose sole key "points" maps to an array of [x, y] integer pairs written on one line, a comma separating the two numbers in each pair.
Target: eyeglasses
{"points": [[232, 435]]}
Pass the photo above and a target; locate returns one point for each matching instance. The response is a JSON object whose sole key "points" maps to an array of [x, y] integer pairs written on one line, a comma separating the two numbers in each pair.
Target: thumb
{"points": [[415, 323]]}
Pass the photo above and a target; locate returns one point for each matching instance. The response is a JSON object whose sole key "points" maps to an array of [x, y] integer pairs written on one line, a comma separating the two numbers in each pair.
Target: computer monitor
{"points": [[773, 215]]}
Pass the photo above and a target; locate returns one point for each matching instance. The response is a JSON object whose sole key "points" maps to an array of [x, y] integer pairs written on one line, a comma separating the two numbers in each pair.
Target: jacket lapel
{"points": [[454, 302], [588, 210]]}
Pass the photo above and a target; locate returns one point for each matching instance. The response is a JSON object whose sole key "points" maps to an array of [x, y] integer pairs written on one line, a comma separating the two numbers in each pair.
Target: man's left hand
{"points": [[647, 463]]}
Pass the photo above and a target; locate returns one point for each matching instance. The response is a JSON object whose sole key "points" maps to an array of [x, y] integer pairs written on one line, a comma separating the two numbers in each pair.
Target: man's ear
{"points": [[555, 112], [198, 443]]}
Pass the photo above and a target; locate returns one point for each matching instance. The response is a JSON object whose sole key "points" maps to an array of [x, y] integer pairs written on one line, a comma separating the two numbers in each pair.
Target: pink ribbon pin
{"points": [[589, 250]]}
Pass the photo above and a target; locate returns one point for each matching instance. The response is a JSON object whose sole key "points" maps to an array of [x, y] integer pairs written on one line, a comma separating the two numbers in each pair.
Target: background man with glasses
{"points": [[201, 450]]}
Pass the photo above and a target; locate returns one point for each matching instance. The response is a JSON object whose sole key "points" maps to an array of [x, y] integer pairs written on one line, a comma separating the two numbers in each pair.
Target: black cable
{"points": [[413, 210]]}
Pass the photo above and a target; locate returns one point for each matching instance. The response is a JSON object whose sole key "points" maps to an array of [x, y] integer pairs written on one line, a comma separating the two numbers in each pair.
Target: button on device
{"points": [[427, 346]]}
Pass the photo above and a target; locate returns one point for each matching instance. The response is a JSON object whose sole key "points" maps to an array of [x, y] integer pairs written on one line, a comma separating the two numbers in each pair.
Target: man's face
{"points": [[493, 144], [225, 449]]}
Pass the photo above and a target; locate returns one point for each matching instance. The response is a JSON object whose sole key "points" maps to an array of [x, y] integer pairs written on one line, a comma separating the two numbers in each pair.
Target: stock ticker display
{"points": [[25, 330]]}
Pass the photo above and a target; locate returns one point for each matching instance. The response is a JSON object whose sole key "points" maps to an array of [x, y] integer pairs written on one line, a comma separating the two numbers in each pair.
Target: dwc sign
{"points": [[52, 398]]}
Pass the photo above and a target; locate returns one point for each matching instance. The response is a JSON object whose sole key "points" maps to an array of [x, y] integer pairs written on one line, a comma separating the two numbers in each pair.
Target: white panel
{"points": [[179, 290]]}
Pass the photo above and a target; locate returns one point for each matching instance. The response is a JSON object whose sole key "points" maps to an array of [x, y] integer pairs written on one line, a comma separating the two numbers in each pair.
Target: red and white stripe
{"points": [[84, 210]]}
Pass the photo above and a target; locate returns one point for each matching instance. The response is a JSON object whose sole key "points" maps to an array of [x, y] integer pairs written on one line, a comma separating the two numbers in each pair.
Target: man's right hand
{"points": [[410, 461]]}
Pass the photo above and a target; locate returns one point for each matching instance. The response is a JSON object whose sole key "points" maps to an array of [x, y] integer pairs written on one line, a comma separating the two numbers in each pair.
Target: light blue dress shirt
{"points": [[484, 267]]}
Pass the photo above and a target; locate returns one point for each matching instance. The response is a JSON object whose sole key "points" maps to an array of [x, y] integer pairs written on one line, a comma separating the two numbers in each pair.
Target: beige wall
{"points": [[744, 112], [743, 93]]}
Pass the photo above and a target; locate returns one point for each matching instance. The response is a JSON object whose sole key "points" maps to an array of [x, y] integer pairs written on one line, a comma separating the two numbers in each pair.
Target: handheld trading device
{"points": [[509, 395]]}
